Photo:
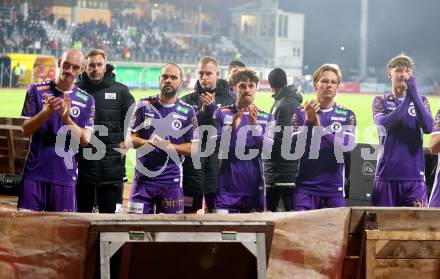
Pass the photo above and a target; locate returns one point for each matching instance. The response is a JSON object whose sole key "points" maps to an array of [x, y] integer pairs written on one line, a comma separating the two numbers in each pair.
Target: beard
{"points": [[168, 92]]}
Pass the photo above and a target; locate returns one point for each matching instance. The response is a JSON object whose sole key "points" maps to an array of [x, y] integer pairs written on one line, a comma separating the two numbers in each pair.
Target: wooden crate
{"points": [[402, 254], [400, 242]]}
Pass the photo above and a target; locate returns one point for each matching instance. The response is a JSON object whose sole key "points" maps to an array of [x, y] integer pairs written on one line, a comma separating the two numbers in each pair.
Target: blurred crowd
{"points": [[128, 37]]}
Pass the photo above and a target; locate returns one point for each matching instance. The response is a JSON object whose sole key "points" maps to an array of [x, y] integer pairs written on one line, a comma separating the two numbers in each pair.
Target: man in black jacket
{"points": [[281, 174], [210, 93], [101, 179]]}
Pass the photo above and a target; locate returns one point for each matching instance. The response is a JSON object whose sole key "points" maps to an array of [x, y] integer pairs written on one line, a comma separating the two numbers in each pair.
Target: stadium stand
{"points": [[129, 37]]}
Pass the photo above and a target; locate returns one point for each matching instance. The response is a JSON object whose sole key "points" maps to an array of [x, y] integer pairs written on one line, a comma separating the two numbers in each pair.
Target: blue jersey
{"points": [[177, 123], [42, 162], [238, 175], [323, 175]]}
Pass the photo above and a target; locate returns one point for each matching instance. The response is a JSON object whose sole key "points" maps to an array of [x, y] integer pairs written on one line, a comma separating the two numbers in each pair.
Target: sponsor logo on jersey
{"points": [[82, 96], [262, 114], [341, 111], [261, 121], [41, 88], [78, 104], [178, 116], [336, 118], [182, 109]]}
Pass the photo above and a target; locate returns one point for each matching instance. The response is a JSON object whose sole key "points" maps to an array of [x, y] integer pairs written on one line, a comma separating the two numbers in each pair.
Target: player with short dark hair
{"points": [[401, 117], [50, 107], [329, 131], [280, 173], [241, 176], [163, 128]]}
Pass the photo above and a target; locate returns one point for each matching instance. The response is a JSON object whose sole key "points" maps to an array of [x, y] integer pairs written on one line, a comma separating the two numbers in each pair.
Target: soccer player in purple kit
{"points": [[402, 117], [241, 177], [48, 181], [330, 131], [434, 147], [163, 127]]}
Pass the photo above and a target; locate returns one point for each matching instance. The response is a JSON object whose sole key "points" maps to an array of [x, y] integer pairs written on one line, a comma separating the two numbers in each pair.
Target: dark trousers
{"points": [[279, 198], [103, 197]]}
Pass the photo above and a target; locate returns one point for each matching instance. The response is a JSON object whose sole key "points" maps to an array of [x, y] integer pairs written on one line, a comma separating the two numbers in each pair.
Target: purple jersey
{"points": [[240, 176], [42, 162], [434, 199], [177, 123], [401, 120], [323, 175]]}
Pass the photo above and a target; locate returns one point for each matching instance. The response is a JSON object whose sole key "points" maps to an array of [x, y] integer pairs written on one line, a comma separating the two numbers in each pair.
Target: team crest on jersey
{"points": [[336, 127], [147, 121], [412, 110], [228, 120], [75, 111], [176, 124]]}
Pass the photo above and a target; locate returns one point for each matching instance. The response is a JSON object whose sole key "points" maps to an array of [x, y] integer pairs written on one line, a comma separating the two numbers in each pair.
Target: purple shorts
{"points": [[149, 199], [228, 203], [304, 201], [41, 196], [399, 193]]}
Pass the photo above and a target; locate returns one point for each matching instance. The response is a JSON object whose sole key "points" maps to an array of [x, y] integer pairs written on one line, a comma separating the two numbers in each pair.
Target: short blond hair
{"points": [[327, 67], [208, 59], [401, 60], [95, 52]]}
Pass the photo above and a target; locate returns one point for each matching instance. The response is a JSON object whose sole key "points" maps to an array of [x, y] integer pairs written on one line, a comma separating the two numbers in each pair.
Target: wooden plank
{"points": [[408, 249], [405, 219], [403, 235], [407, 268], [92, 256], [370, 260]]}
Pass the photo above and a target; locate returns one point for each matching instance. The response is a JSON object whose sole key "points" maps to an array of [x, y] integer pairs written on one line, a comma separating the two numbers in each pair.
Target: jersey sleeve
{"points": [[192, 133], [88, 118], [30, 104]]}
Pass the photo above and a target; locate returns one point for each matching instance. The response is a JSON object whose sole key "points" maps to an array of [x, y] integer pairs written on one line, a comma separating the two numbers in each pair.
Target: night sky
{"points": [[394, 26]]}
